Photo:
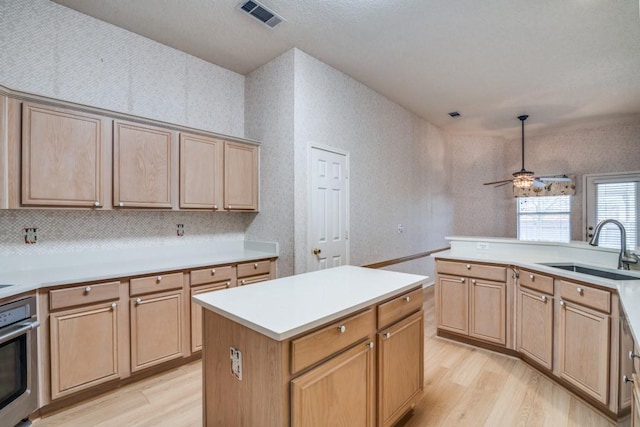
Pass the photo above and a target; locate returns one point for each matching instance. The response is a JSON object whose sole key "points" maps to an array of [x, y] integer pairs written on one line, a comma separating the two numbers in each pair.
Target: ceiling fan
{"points": [[524, 178]]}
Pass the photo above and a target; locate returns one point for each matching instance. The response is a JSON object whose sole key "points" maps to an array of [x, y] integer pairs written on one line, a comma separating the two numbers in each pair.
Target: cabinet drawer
{"points": [[537, 281], [83, 295], [399, 307], [316, 346], [254, 279], [589, 297], [159, 283], [211, 275], [253, 268], [480, 271]]}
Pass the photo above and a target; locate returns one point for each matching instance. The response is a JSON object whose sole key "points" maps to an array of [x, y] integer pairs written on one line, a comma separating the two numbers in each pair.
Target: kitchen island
{"points": [[336, 347]]}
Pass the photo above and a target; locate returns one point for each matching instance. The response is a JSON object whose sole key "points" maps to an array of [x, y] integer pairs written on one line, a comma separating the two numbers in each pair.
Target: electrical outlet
{"points": [[236, 363], [400, 228], [30, 236], [483, 246], [180, 230]]}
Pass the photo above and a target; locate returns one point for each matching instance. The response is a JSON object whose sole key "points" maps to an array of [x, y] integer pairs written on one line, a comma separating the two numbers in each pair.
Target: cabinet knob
{"points": [[243, 281], [159, 278], [468, 266], [462, 280], [370, 344], [626, 379], [138, 301], [114, 305], [228, 284], [543, 298], [87, 289], [580, 290], [473, 281], [213, 271], [562, 304], [532, 277], [387, 335], [215, 207], [96, 204], [342, 329], [631, 355], [228, 207], [121, 204], [255, 265], [407, 299]]}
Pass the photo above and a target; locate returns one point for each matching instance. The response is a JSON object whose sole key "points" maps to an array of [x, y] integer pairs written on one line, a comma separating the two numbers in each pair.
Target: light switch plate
{"points": [[236, 363]]}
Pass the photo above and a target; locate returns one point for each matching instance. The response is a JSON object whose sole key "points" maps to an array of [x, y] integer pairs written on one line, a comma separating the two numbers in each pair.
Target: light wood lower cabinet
{"points": [[156, 329], [535, 326], [584, 348], [196, 313], [452, 304], [340, 392], [635, 403], [626, 363], [400, 368], [84, 348]]}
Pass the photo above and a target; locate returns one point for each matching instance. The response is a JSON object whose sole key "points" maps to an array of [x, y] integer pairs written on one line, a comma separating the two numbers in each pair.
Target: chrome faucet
{"points": [[623, 259]]}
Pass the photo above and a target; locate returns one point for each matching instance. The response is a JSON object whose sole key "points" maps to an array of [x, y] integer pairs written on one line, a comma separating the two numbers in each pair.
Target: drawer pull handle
{"points": [[159, 278], [342, 329], [543, 298], [580, 290], [114, 305], [213, 271], [631, 355], [87, 289], [407, 299], [532, 277], [468, 266], [562, 303], [626, 379], [138, 301], [462, 280], [370, 344], [387, 335]]}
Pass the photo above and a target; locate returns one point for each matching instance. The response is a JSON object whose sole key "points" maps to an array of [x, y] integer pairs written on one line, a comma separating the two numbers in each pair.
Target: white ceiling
{"points": [[565, 63]]}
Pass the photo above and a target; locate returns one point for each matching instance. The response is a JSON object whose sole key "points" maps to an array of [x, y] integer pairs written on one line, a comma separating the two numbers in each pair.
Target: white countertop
{"points": [[283, 308], [29, 273], [532, 255]]}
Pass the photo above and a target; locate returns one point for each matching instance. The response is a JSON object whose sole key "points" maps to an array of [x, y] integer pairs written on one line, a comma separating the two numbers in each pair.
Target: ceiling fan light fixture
{"points": [[523, 179]]}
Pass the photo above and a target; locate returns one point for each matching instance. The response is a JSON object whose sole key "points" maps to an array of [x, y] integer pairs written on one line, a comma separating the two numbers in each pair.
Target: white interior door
{"points": [[329, 209]]}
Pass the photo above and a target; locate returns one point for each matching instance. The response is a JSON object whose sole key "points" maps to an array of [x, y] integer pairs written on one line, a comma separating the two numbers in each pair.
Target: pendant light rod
{"points": [[522, 119]]}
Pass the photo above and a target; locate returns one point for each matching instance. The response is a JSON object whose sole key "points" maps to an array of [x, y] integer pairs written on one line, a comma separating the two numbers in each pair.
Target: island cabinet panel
{"points": [[201, 176], [400, 368], [240, 176], [84, 348], [635, 405], [156, 329], [452, 304], [398, 308], [340, 392], [584, 349], [626, 362], [487, 311], [535, 326], [62, 157], [142, 163]]}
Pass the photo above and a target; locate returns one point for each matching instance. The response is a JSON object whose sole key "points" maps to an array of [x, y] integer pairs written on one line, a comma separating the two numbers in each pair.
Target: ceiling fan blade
{"points": [[556, 178], [498, 182], [502, 185], [538, 184]]}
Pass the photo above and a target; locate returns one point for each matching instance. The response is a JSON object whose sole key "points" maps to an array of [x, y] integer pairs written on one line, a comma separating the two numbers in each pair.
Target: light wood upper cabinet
{"points": [[84, 348], [584, 349], [535, 326], [240, 176], [400, 368], [337, 393], [62, 157], [141, 166], [201, 165]]}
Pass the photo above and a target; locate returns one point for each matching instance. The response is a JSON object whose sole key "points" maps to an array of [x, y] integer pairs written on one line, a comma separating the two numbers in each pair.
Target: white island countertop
{"points": [[283, 308]]}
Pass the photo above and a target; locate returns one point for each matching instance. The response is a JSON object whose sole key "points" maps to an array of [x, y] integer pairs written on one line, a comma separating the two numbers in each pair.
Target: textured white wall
{"points": [[269, 119], [399, 166]]}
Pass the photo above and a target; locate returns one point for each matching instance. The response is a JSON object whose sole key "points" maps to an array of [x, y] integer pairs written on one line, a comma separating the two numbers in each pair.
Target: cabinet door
{"points": [[535, 326], [196, 313], [584, 349], [400, 368], [452, 304], [635, 403], [487, 311], [141, 166], [84, 348], [200, 172], [337, 393], [156, 330], [240, 176], [626, 363], [61, 157]]}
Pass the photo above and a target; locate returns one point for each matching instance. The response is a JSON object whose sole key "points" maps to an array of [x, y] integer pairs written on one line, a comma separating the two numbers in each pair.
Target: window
{"points": [[613, 196], [546, 218]]}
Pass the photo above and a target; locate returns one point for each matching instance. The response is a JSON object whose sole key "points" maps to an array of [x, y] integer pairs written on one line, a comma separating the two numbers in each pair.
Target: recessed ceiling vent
{"points": [[261, 13]]}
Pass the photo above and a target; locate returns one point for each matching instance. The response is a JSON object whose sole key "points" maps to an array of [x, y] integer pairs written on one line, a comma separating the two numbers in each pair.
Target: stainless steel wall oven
{"points": [[18, 361]]}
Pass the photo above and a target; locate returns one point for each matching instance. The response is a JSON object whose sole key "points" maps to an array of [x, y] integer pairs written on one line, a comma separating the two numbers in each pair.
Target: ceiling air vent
{"points": [[261, 13]]}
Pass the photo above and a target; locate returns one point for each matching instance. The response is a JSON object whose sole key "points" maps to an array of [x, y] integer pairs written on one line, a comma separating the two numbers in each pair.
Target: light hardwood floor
{"points": [[464, 386]]}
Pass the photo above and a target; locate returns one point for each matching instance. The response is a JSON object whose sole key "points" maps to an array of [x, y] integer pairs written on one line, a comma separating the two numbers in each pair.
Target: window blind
{"points": [[618, 201], [544, 218]]}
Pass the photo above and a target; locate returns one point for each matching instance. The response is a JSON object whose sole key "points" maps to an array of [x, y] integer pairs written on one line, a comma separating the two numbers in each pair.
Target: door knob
{"points": [[317, 251]]}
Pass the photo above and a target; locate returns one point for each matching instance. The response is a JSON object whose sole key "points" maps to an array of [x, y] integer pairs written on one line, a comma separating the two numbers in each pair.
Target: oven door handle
{"points": [[24, 327]]}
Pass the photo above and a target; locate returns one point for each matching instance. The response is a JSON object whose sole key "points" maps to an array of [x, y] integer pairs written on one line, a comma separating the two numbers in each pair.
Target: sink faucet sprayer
{"points": [[623, 259]]}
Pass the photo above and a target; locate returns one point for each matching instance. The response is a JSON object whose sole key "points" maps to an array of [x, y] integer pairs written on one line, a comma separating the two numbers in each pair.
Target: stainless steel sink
{"points": [[576, 268]]}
